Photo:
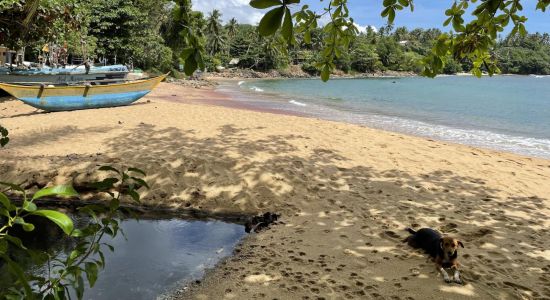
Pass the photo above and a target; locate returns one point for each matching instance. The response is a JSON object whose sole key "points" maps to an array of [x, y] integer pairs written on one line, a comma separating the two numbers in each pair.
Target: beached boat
{"points": [[63, 75], [84, 96]]}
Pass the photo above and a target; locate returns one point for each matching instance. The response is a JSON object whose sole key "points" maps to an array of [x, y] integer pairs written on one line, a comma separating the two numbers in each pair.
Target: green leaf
{"points": [[307, 37], [186, 53], [79, 287], [325, 73], [77, 233], [61, 219], [271, 22], [522, 30], [91, 270], [261, 4], [6, 202], [29, 206], [134, 195], [28, 227], [16, 241], [136, 170], [4, 212], [59, 190], [190, 66], [74, 254], [20, 274], [114, 204], [13, 186], [3, 246], [477, 72], [109, 168], [140, 182], [105, 184], [391, 16], [287, 28]]}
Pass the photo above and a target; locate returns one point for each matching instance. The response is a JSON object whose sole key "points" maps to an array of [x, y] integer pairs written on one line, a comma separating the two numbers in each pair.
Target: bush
{"points": [[452, 66]]}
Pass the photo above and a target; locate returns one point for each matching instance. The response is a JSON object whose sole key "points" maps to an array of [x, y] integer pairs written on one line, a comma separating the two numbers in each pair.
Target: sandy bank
{"points": [[346, 194]]}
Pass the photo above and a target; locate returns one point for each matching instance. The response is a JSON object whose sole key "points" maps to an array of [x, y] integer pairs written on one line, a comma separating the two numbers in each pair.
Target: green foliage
{"points": [[217, 36], [529, 54], [166, 34], [473, 41], [24, 22], [127, 31], [86, 259]]}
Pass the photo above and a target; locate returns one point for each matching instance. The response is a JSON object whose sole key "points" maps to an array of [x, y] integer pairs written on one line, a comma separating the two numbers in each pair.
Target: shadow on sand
{"points": [[358, 208]]}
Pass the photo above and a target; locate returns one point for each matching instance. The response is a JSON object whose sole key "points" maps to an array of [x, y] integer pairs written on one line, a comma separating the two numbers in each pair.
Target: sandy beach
{"points": [[346, 193]]}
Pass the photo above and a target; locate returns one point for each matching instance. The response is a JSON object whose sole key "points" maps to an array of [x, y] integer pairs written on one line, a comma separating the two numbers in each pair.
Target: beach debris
{"points": [[260, 222], [261, 278]]}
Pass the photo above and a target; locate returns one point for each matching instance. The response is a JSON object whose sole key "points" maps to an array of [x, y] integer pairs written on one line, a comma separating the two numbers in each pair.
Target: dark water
{"points": [[154, 257], [510, 113], [158, 254]]}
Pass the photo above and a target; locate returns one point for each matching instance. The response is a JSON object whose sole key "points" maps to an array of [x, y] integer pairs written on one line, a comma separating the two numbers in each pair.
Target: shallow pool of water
{"points": [[152, 258], [156, 255]]}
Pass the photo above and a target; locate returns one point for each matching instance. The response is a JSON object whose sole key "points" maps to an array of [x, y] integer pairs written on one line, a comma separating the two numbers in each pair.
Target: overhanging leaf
{"points": [[91, 272], [286, 30], [271, 22], [6, 202], [59, 190], [261, 4], [60, 219]]}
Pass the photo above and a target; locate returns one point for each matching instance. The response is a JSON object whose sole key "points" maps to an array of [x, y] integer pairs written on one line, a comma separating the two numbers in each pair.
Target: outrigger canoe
{"points": [[84, 96]]}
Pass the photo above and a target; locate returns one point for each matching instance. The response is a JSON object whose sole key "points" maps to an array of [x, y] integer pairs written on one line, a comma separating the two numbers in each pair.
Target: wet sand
{"points": [[346, 194]]}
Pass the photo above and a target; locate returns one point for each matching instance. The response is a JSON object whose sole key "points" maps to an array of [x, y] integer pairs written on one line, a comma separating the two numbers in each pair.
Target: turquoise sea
{"points": [[509, 113]]}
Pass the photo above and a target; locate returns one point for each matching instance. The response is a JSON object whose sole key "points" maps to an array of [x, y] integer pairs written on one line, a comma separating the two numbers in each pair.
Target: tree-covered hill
{"points": [[161, 34]]}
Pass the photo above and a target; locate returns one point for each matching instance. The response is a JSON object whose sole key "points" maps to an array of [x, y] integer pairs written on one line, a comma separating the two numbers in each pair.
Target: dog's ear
{"points": [[460, 243]]}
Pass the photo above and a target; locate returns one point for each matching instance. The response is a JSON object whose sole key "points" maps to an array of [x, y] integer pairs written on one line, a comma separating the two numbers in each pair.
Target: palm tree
{"points": [[216, 40], [232, 27]]}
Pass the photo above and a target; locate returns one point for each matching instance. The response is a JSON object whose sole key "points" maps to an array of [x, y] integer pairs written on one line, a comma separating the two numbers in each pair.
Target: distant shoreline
{"points": [[243, 74]]}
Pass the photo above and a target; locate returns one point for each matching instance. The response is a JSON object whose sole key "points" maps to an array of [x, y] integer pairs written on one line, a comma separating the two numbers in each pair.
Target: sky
{"points": [[427, 13]]}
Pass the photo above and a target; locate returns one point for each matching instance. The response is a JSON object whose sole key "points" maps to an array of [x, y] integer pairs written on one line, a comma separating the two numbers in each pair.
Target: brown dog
{"points": [[443, 249]]}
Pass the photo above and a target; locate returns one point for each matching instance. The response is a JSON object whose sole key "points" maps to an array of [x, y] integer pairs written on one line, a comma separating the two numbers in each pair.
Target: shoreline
{"points": [[294, 73], [233, 92], [346, 193]]}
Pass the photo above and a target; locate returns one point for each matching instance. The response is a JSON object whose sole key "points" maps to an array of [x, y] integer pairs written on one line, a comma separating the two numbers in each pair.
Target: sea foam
{"points": [[256, 89], [297, 103]]}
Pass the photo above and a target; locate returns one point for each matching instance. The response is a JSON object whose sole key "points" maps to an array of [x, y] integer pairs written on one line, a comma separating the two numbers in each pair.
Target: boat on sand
{"points": [[50, 97]]}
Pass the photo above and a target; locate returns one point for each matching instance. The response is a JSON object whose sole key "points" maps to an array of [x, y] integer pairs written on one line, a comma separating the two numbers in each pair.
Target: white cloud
{"points": [[361, 28], [238, 9]]}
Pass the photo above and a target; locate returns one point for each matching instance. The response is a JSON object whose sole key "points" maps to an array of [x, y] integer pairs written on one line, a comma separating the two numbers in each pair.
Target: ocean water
{"points": [[509, 113]]}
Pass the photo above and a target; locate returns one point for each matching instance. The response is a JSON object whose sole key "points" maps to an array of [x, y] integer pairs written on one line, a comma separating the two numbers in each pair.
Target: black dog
{"points": [[443, 249]]}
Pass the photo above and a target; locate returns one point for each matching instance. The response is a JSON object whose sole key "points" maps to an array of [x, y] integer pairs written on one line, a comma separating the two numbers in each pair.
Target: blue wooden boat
{"points": [[63, 75], [84, 96]]}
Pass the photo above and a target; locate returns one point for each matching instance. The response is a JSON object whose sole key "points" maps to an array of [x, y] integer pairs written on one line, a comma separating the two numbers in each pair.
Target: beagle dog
{"points": [[443, 249]]}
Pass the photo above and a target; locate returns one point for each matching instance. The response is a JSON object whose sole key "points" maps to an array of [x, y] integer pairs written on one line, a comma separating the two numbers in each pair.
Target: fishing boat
{"points": [[51, 97], [63, 74]]}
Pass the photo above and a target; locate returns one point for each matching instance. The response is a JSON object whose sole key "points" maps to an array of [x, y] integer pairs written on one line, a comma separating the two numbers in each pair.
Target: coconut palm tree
{"points": [[216, 36], [232, 27]]}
